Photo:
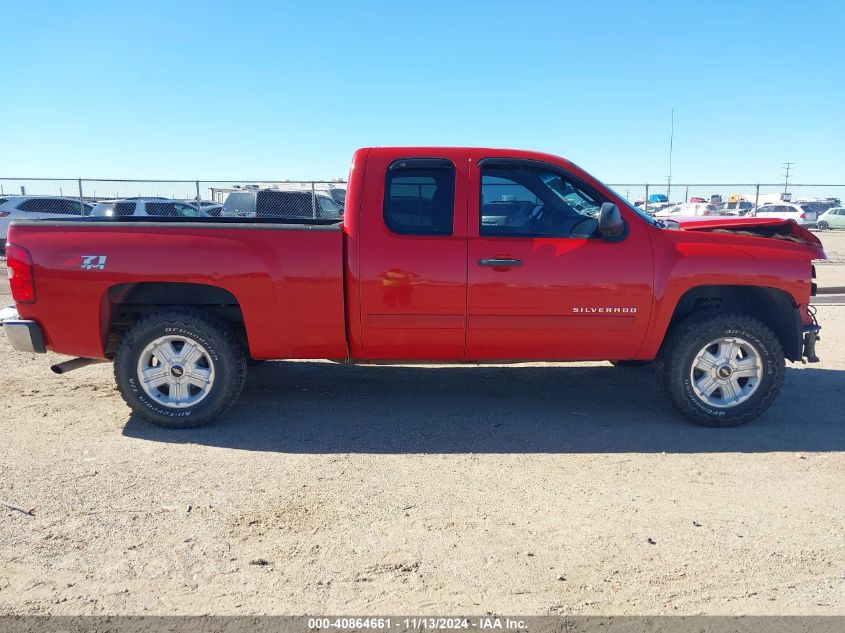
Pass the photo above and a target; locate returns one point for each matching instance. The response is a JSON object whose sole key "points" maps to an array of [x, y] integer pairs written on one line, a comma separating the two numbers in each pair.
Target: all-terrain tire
{"points": [[684, 342], [225, 356]]}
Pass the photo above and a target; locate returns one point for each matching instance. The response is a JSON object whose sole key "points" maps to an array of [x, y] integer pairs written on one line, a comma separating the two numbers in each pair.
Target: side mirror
{"points": [[611, 224]]}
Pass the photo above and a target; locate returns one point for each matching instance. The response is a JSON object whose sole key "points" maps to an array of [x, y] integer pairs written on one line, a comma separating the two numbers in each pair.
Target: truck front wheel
{"points": [[180, 368], [721, 369]]}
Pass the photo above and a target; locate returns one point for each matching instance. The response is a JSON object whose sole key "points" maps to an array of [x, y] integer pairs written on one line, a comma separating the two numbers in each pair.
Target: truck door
{"points": [[413, 256], [542, 284]]}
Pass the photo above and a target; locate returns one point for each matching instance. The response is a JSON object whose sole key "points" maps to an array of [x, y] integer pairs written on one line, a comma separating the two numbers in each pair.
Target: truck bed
{"points": [[287, 278]]}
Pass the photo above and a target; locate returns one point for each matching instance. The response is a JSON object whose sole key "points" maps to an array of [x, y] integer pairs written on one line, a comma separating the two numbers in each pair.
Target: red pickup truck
{"points": [[442, 255]]}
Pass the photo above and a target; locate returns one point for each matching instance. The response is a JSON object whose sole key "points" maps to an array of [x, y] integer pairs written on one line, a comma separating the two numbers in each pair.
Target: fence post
{"points": [[81, 200], [757, 199], [646, 199], [199, 208], [313, 201]]}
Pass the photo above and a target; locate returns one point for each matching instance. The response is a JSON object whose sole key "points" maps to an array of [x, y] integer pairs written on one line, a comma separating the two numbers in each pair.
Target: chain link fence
{"points": [[324, 200], [191, 199]]}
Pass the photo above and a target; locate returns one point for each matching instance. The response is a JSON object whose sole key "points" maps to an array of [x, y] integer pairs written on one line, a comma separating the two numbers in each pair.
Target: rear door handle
{"points": [[496, 262]]}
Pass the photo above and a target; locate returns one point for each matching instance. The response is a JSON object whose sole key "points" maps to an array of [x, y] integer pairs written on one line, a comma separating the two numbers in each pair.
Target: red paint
{"points": [[367, 293]]}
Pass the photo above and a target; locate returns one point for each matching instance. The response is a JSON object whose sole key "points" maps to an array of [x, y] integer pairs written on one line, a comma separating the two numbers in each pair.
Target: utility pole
{"points": [[671, 143], [788, 166]]}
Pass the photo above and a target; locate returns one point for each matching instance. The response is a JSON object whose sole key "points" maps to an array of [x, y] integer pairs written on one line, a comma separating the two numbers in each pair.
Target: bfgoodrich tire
{"points": [[721, 369], [180, 368]]}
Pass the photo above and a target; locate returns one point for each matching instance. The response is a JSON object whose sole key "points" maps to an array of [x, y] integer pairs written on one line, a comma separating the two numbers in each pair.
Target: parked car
{"points": [[208, 208], [33, 207], [832, 219], [803, 215], [431, 264], [816, 206], [283, 204], [211, 210], [156, 207], [653, 207], [335, 191], [739, 207], [687, 209]]}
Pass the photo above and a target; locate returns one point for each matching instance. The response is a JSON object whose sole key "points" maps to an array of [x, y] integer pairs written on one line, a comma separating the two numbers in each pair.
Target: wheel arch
{"points": [[123, 304], [774, 307]]}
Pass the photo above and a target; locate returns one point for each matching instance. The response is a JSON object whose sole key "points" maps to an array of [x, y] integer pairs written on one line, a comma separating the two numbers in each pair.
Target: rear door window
{"points": [[66, 207], [419, 197], [36, 205], [161, 209], [124, 208]]}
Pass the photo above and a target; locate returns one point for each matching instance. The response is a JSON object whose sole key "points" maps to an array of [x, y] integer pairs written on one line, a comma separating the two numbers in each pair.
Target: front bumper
{"points": [[24, 336], [811, 335]]}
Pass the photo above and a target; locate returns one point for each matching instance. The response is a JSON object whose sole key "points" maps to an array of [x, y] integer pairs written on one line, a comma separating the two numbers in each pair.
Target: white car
{"points": [[156, 207], [802, 214], [832, 219], [686, 210], [36, 207]]}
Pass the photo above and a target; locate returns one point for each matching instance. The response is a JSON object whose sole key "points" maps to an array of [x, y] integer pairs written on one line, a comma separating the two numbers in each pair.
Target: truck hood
{"points": [[774, 228]]}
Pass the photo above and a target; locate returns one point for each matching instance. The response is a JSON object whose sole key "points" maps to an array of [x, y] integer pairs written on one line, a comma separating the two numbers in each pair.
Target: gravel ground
{"points": [[533, 489]]}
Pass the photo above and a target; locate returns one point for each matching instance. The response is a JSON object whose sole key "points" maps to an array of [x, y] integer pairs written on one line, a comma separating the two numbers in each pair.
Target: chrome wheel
{"points": [[726, 372], [175, 371]]}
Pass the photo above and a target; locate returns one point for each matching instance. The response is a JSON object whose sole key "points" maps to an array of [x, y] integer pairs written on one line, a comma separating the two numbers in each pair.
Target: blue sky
{"points": [[270, 90]]}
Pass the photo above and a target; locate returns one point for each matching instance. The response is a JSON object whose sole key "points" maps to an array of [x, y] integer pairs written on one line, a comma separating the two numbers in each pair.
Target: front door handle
{"points": [[496, 262]]}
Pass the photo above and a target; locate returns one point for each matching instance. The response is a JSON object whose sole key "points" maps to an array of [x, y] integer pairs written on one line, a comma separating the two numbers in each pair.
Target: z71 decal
{"points": [[93, 262]]}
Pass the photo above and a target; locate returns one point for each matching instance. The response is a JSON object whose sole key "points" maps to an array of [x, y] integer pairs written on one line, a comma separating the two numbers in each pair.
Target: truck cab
{"points": [[481, 255]]}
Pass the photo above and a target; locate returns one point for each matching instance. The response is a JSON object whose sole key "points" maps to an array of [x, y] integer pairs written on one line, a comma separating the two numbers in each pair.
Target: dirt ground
{"points": [[534, 489]]}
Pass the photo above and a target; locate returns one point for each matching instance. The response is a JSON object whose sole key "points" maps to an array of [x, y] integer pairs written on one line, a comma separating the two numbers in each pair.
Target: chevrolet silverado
{"points": [[447, 255]]}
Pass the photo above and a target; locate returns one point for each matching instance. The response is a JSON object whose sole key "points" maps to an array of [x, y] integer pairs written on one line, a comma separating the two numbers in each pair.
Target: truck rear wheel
{"points": [[180, 368], [721, 369]]}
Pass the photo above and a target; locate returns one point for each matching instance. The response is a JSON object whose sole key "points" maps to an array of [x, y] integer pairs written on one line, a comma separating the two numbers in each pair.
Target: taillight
{"points": [[21, 277], [3, 214], [803, 216]]}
